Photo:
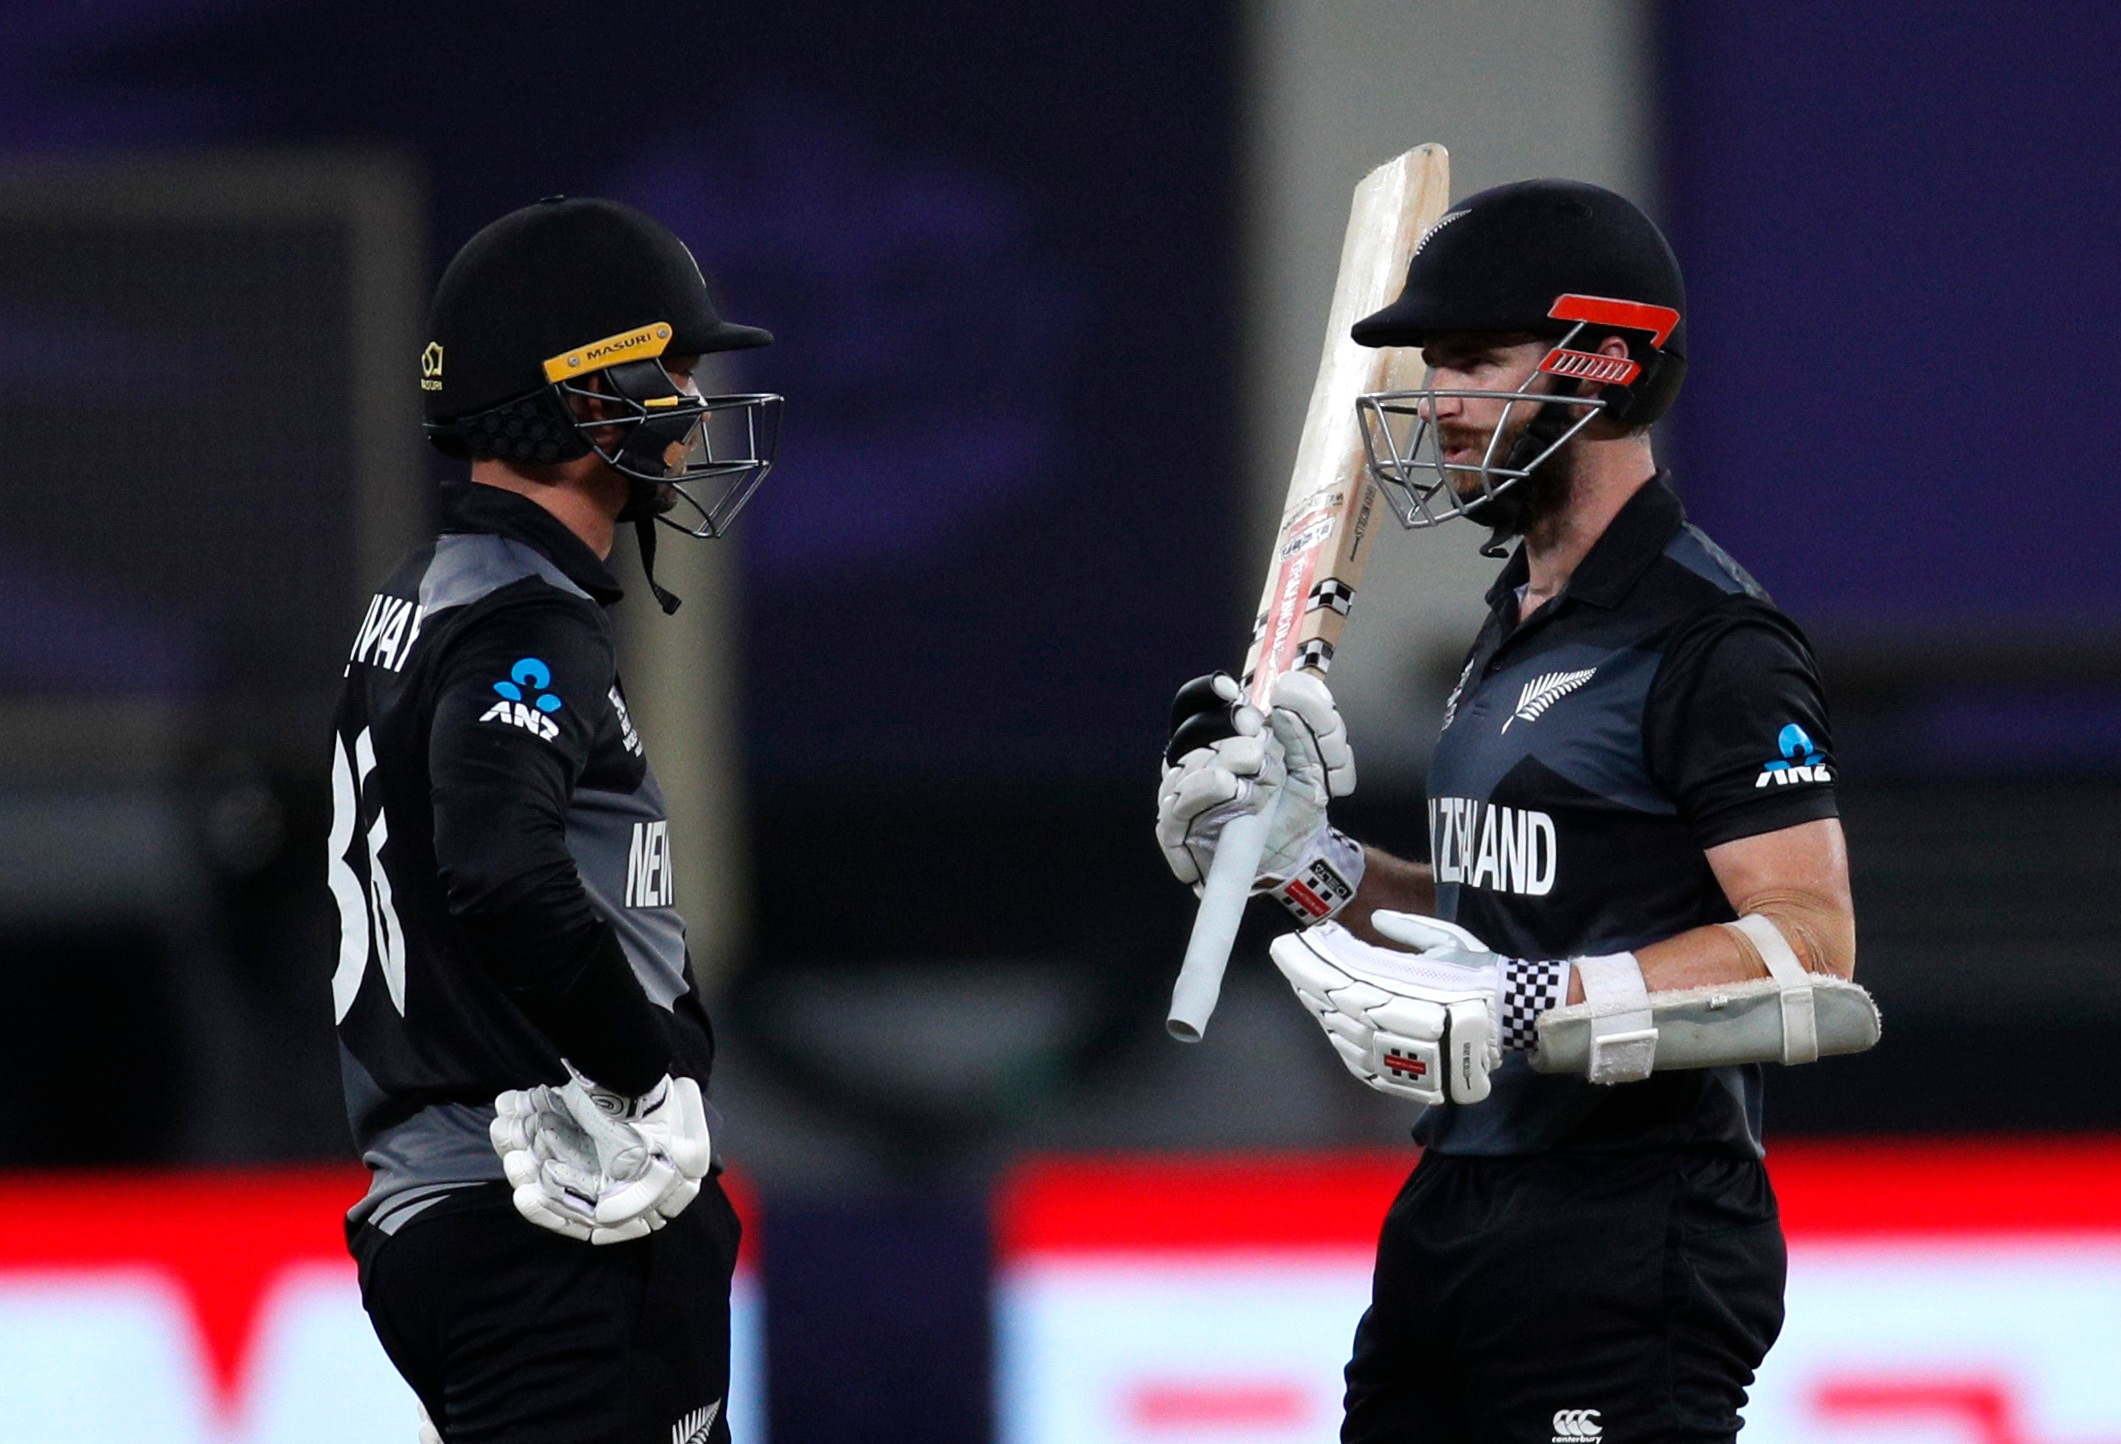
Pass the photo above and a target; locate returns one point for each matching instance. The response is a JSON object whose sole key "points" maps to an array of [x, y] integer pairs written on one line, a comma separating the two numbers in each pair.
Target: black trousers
{"points": [[1512, 1295], [511, 1334]]}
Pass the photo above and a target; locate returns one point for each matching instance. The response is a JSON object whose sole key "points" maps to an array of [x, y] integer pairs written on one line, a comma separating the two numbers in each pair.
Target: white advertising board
{"points": [[216, 1309], [1960, 1293]]}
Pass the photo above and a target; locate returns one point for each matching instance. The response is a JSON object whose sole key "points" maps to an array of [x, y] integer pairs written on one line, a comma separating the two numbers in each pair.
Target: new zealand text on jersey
{"points": [[649, 882], [1477, 844]]}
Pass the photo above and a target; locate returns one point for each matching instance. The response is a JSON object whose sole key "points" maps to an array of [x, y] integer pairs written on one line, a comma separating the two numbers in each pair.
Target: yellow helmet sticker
{"points": [[631, 345]]}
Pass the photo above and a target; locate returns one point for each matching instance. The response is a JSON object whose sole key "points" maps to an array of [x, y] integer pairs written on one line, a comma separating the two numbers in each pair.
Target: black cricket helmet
{"points": [[578, 298], [1557, 259]]}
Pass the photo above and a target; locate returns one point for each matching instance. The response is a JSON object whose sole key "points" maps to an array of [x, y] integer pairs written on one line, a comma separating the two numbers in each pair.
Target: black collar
{"points": [[1636, 536], [470, 507]]}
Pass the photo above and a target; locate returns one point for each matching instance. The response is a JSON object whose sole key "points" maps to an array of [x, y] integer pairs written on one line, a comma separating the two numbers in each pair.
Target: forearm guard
{"points": [[1618, 1035]]}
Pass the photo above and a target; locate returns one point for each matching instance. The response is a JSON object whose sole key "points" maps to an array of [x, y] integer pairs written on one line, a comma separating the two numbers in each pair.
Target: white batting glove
{"points": [[548, 1160], [1404, 1025], [1313, 738], [1225, 760], [553, 1167], [1222, 763], [652, 1150], [1523, 988]]}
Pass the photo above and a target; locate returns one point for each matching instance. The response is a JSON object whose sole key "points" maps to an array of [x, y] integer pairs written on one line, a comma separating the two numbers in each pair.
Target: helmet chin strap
{"points": [[644, 503], [644, 445], [644, 532]]}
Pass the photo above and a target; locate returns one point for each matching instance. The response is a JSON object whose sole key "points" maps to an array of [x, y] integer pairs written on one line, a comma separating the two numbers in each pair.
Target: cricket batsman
{"points": [[544, 1249], [1637, 888]]}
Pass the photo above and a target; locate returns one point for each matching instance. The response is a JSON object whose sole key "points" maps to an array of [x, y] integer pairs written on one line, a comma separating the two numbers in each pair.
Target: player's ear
{"points": [[1600, 428]]}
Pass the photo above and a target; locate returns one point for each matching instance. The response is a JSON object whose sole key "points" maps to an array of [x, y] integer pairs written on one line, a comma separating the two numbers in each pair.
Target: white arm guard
{"points": [[1399, 1035], [1621, 1031]]}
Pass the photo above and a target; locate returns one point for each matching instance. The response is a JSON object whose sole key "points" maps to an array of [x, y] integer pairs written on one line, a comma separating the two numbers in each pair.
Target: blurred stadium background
{"points": [[1048, 281]]}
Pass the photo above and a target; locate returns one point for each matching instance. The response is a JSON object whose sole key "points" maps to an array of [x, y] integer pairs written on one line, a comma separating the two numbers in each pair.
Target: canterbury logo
{"points": [[1573, 1424], [692, 1429], [1543, 692]]}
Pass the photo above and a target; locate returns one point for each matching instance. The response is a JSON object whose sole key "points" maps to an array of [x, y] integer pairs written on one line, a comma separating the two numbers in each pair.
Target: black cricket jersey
{"points": [[499, 852], [1659, 706]]}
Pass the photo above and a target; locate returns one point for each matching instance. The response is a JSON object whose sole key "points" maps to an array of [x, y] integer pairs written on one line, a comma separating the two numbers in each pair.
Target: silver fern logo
{"points": [[1543, 692], [694, 1427]]}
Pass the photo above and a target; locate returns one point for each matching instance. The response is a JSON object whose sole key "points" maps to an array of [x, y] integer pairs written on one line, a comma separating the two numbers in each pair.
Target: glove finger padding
{"points": [[1426, 935], [1432, 1045], [674, 1202], [1206, 710], [1207, 788], [1445, 959], [646, 1147], [1210, 777], [691, 1149], [548, 1163], [1309, 726]]}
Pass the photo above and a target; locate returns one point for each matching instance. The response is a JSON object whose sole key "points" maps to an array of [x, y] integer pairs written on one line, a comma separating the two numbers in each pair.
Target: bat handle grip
{"points": [[1222, 908]]}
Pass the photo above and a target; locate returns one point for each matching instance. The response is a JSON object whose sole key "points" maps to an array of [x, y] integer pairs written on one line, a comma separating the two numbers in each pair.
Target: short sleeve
{"points": [[1736, 727]]}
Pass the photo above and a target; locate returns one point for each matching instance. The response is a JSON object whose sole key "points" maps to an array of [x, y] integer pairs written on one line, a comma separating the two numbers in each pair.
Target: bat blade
{"points": [[1322, 544]]}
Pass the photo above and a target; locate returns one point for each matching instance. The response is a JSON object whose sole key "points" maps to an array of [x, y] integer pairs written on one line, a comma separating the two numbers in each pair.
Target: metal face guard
{"points": [[1404, 448], [706, 455], [727, 454]]}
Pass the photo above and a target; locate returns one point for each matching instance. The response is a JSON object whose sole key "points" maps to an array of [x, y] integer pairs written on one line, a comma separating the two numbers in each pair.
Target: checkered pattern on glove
{"points": [[1524, 987], [1530, 986]]}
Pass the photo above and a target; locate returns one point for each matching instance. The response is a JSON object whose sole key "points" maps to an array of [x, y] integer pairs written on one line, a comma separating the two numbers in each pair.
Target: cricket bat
{"points": [[1324, 538]]}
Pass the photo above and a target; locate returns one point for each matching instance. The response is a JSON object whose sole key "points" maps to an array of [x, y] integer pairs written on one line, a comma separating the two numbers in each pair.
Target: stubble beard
{"points": [[1530, 501]]}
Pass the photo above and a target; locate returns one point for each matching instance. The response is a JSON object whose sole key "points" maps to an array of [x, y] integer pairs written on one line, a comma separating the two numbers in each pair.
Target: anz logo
{"points": [[1801, 760], [524, 701]]}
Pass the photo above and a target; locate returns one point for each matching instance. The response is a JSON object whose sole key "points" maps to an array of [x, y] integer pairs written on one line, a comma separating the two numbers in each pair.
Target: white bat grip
{"points": [[1222, 908]]}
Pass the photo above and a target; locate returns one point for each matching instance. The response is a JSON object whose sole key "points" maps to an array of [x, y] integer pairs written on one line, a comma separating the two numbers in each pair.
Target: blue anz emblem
{"points": [[529, 677], [1801, 760], [535, 675]]}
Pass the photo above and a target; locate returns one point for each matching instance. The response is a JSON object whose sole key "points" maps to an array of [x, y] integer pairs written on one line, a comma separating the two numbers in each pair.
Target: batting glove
{"points": [[652, 1150], [1225, 760], [1523, 988], [549, 1162], [1402, 1024]]}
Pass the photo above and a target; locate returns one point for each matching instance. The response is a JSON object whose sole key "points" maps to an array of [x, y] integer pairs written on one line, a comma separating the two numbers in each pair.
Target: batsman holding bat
{"points": [[1637, 890]]}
